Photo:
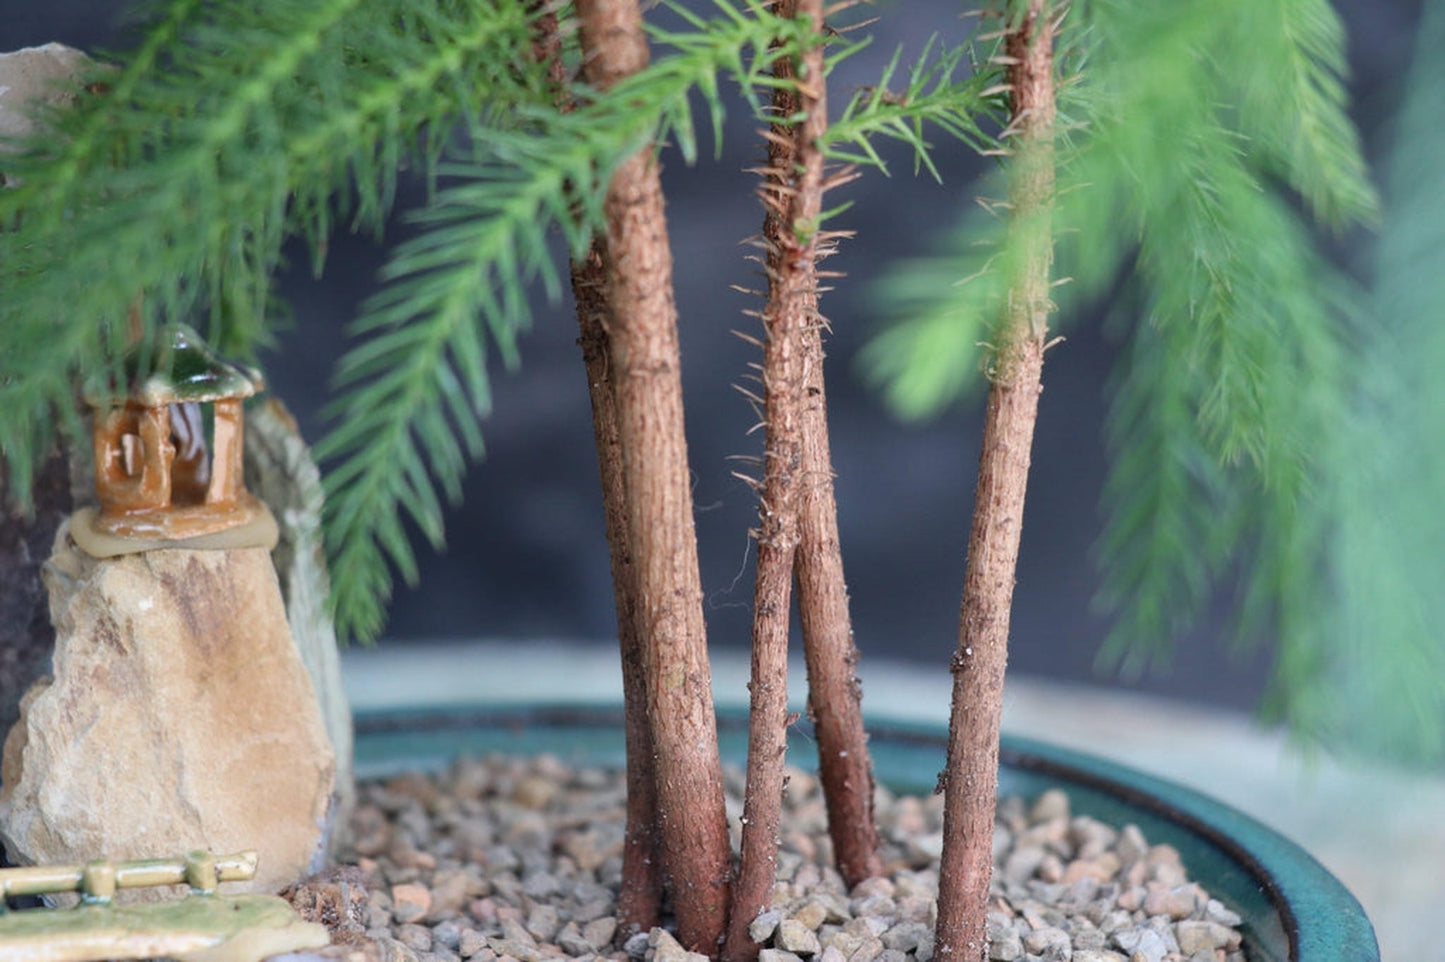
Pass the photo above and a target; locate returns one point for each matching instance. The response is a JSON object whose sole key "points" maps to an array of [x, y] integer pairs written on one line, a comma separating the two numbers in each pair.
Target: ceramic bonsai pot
{"points": [[1293, 909]]}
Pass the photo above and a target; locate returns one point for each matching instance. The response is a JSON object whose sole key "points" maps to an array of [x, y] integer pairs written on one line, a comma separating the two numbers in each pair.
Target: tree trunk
{"points": [[971, 777], [792, 195], [647, 380], [639, 903], [835, 696]]}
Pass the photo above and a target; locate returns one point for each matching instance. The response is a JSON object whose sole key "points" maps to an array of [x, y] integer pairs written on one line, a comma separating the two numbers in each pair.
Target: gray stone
{"points": [[662, 947], [543, 922], [1050, 805], [636, 945], [867, 951], [448, 934], [600, 931], [794, 936], [1215, 911], [573, 941], [762, 928], [1197, 935], [907, 936], [1049, 943], [1131, 845], [179, 717], [811, 914], [470, 943], [1004, 944], [1141, 941], [777, 955], [415, 937], [1023, 862], [1176, 902]]}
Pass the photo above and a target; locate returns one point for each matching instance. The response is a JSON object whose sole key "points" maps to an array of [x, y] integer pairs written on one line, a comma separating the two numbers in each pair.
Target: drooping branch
{"points": [[970, 780], [646, 373]]}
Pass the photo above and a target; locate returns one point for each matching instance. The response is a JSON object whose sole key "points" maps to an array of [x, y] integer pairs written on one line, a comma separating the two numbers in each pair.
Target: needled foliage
{"points": [[1191, 136], [170, 190], [232, 127], [1383, 693]]}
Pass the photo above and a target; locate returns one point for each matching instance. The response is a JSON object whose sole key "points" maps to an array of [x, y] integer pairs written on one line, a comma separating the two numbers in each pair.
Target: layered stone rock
{"points": [[281, 472], [179, 716]]}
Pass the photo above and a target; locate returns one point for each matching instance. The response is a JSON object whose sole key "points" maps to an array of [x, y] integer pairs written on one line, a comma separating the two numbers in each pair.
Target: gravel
{"points": [[510, 858]]}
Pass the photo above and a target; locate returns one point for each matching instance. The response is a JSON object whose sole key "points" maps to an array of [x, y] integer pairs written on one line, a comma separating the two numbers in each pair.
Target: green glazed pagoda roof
{"points": [[184, 368]]}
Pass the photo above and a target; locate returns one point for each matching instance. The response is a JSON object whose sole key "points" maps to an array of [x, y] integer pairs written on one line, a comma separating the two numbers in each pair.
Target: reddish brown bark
{"points": [[971, 777], [792, 195], [639, 902], [646, 372], [835, 696], [834, 693]]}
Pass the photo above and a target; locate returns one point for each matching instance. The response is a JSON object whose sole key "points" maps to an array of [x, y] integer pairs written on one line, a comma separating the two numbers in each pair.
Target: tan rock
{"points": [[34, 75], [179, 717], [280, 471], [28, 78]]}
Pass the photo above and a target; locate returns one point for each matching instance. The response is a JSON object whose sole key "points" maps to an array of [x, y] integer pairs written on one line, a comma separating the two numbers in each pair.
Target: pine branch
{"points": [[1166, 495], [233, 126], [418, 383], [1376, 681], [1294, 103], [1186, 114], [933, 96]]}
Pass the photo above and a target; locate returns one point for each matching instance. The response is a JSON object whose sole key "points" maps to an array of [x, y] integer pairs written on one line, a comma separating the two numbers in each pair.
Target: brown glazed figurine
{"points": [[168, 469]]}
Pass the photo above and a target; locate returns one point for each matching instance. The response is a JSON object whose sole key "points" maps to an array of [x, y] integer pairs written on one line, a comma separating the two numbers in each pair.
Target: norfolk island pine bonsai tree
{"points": [[539, 148]]}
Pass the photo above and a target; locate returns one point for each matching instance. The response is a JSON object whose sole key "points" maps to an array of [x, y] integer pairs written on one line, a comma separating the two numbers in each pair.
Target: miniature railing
{"points": [[201, 925], [98, 881]]}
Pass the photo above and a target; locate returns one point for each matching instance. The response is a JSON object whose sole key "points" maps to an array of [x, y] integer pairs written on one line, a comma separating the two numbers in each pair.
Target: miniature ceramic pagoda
{"points": [[168, 456]]}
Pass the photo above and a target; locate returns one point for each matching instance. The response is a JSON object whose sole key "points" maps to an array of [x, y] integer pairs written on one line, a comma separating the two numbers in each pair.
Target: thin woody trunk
{"points": [[639, 901], [646, 373], [792, 194], [971, 778], [835, 696]]}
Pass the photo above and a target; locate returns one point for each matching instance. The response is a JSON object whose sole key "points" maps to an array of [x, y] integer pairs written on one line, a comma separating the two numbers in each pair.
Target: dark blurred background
{"points": [[526, 557]]}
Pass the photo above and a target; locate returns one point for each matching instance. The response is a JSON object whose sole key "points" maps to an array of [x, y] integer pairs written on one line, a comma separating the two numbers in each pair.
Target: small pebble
{"points": [[410, 902], [794, 936], [762, 928], [415, 937]]}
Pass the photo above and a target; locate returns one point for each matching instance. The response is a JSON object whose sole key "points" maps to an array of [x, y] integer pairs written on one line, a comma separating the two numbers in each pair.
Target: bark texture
{"points": [[835, 696], [971, 778], [648, 391], [639, 905], [639, 901], [792, 193]]}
